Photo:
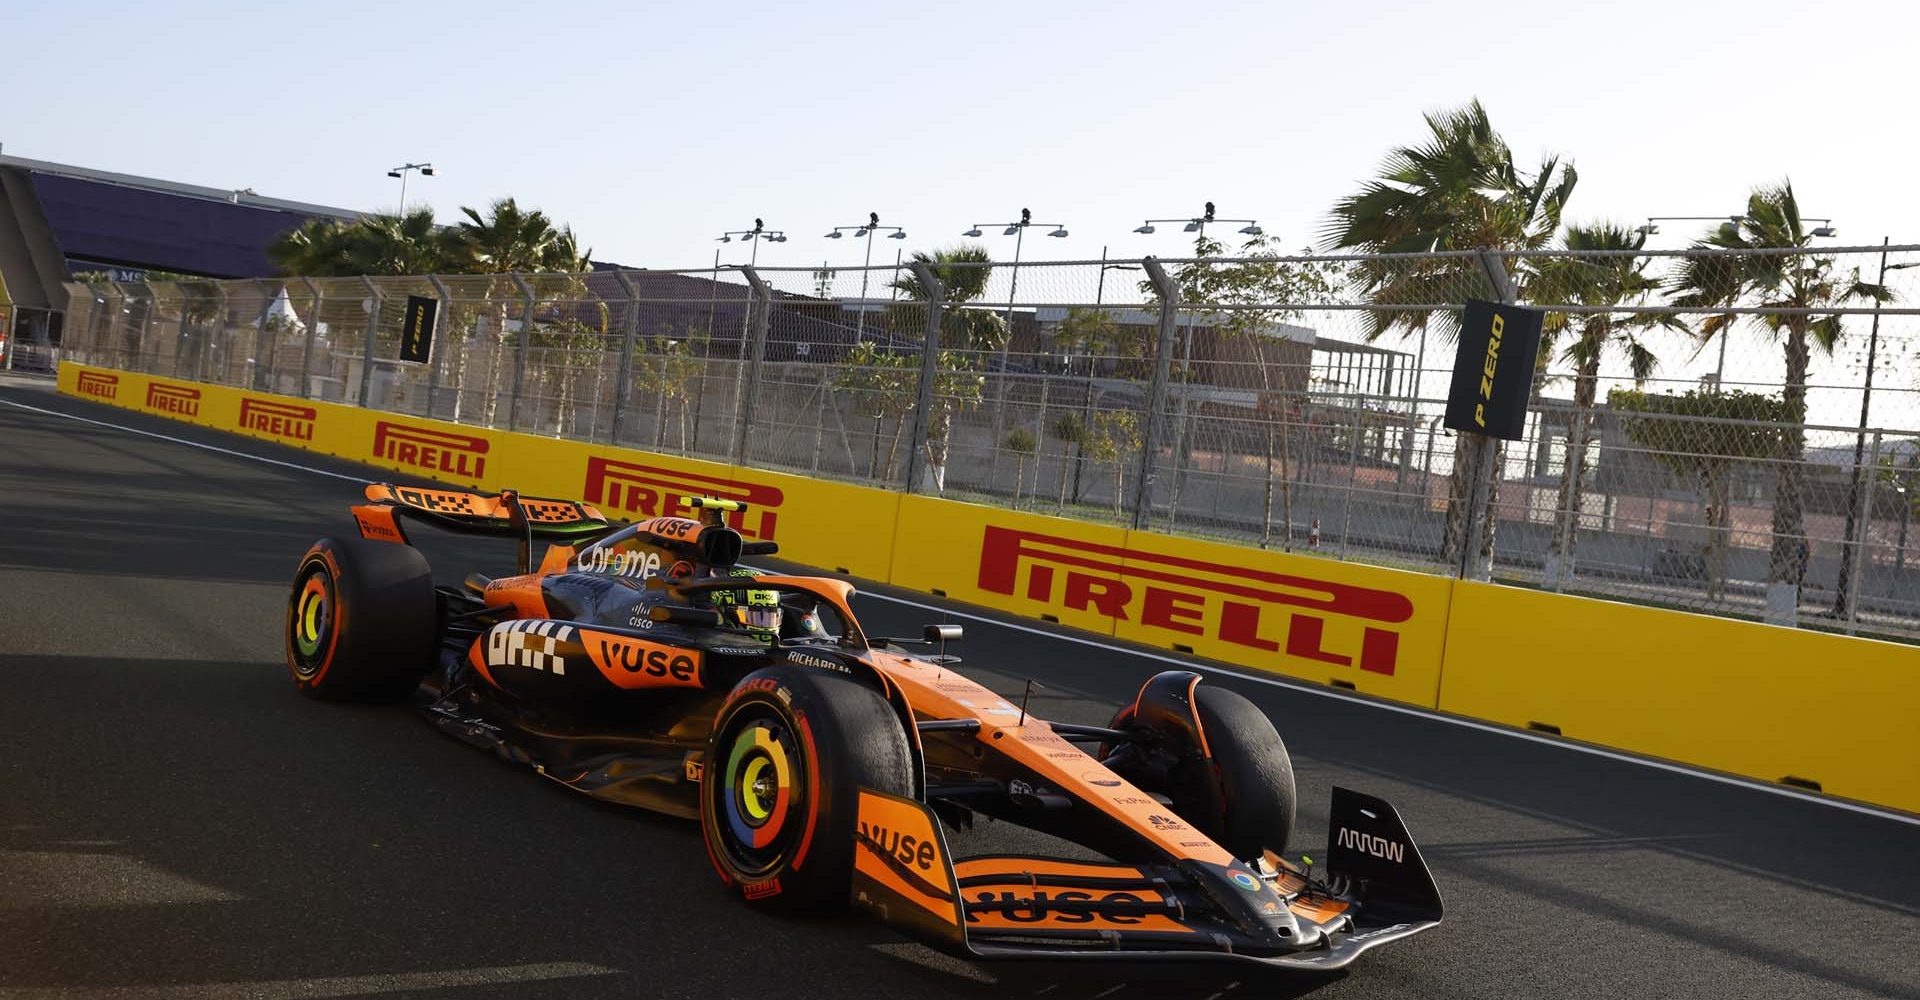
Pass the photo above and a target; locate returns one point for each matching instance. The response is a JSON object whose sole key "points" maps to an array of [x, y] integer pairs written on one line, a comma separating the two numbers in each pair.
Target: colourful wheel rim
{"points": [[759, 790], [312, 615]]}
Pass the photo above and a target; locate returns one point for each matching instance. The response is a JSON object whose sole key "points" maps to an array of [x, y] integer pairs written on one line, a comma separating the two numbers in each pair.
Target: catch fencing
{"points": [[1286, 402]]}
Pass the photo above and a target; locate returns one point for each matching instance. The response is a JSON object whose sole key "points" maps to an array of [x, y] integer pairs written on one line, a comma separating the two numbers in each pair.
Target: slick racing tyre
{"points": [[1234, 783], [361, 620], [779, 787]]}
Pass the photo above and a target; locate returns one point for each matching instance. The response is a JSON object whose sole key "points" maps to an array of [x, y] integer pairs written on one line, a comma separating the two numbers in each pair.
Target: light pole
{"points": [[758, 234], [1844, 585], [873, 226], [1017, 230], [1823, 231], [1197, 224], [401, 171]]}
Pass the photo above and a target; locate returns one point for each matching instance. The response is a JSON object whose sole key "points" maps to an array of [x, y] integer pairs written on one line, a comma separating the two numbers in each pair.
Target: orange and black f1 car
{"points": [[644, 665]]}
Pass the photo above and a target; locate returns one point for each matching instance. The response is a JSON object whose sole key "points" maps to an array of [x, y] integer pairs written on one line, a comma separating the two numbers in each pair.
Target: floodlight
{"points": [[393, 173], [426, 171]]}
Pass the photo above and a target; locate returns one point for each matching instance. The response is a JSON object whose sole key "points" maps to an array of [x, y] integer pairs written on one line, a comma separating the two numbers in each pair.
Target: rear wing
{"points": [[506, 513]]}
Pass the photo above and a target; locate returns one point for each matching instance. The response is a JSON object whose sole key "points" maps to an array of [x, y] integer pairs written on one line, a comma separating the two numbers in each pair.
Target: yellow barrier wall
{"points": [[1765, 702], [1377, 631], [1757, 700], [1043, 567]]}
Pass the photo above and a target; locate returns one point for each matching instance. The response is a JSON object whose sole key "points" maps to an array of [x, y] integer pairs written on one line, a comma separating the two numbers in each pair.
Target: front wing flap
{"points": [[1375, 889]]}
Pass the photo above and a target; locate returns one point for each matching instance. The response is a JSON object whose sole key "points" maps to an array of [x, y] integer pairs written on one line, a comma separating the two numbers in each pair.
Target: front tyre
{"points": [[1217, 756], [779, 790], [361, 620]]}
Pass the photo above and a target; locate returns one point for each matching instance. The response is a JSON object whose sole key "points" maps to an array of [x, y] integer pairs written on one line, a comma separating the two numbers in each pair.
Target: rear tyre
{"points": [[779, 790], [1239, 791], [361, 620]]}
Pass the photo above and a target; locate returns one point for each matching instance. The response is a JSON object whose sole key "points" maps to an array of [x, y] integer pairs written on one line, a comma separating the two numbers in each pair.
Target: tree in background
{"points": [[1797, 282], [667, 370], [1244, 299], [967, 336], [1614, 282], [1095, 334], [1460, 190], [509, 240], [1703, 437]]}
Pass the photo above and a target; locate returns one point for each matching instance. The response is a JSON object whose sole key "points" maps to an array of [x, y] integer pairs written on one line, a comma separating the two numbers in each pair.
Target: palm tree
{"points": [[1614, 282], [1803, 283], [508, 240], [1460, 190], [967, 336], [382, 244]]}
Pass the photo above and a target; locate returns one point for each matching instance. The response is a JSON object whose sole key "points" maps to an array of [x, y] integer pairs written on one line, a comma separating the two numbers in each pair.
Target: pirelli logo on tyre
{"points": [[435, 452], [1300, 616], [639, 491], [99, 385], [174, 400], [289, 422]]}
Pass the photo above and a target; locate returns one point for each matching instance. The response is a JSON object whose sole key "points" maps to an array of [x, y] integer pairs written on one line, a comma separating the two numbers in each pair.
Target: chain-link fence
{"points": [[1734, 433]]}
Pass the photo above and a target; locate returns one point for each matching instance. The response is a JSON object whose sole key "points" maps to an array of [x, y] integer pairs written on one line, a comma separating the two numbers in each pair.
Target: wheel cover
{"points": [[311, 623], [762, 802]]}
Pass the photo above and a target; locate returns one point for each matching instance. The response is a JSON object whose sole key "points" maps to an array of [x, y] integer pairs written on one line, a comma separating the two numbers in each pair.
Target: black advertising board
{"points": [[416, 332], [1493, 373]]}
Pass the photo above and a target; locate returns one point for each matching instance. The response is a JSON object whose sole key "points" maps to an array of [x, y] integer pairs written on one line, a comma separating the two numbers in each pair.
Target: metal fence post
{"points": [[1859, 539], [1169, 293], [215, 336], [1476, 559], [373, 324], [520, 351], [761, 309], [929, 370], [265, 343], [313, 330], [440, 356], [629, 332]]}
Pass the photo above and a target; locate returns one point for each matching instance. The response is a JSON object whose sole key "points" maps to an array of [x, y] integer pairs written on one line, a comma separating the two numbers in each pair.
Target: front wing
{"points": [[1375, 889]]}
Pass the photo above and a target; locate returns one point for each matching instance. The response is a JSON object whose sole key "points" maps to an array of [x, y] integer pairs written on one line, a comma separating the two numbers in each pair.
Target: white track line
{"points": [[1303, 688], [318, 988], [191, 444]]}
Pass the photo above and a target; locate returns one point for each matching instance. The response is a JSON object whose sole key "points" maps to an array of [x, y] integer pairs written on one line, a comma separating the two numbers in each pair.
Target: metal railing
{"points": [[1271, 401]]}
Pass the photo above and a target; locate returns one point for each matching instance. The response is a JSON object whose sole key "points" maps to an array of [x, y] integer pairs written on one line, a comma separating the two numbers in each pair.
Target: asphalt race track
{"points": [[177, 821]]}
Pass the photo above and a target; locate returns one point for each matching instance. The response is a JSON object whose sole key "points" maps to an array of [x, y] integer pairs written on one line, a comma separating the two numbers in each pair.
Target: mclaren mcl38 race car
{"points": [[643, 664]]}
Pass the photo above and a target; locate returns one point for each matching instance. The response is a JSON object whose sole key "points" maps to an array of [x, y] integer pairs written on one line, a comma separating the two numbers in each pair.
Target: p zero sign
{"points": [[1493, 373], [416, 329]]}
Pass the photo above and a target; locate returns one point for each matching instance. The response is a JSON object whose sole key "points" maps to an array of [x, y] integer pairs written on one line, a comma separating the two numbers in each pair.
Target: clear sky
{"points": [[653, 127]]}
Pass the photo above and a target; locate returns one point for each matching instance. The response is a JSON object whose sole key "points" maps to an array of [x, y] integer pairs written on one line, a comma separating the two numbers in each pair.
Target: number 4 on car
{"points": [[643, 665]]}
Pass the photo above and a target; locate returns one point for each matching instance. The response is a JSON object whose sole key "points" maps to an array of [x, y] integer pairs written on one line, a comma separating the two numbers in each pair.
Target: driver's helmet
{"points": [[757, 611]]}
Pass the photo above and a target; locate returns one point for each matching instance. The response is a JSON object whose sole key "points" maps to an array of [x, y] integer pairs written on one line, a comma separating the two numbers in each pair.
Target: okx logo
{"points": [[286, 421], [1322, 620], [435, 452], [99, 385], [176, 400], [654, 491]]}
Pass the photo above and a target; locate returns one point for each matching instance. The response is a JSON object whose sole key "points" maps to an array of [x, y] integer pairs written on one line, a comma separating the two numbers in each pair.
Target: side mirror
{"points": [[695, 617], [942, 633]]}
